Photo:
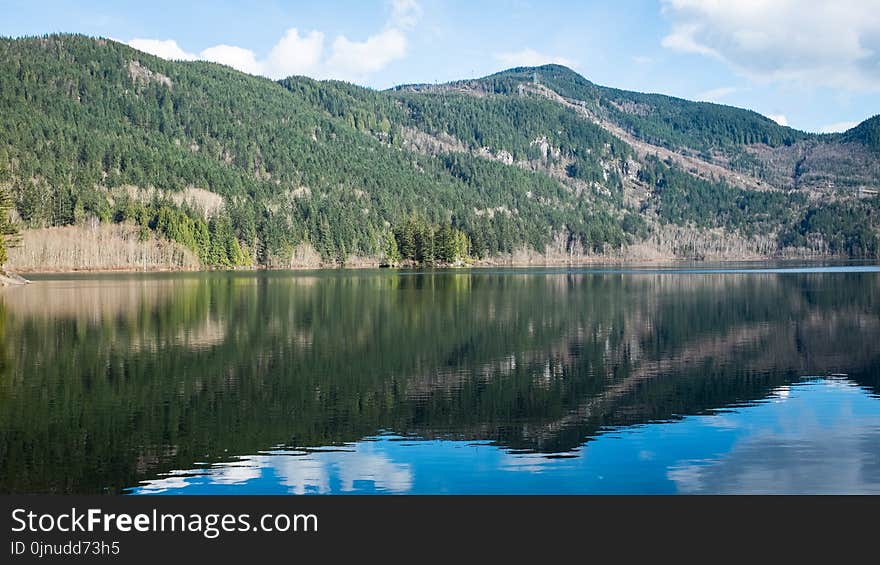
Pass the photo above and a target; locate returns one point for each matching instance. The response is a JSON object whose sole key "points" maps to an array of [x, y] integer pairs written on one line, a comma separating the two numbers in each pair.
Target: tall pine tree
{"points": [[8, 231]]}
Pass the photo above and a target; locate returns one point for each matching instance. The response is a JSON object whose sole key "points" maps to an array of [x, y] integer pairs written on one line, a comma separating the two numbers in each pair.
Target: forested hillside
{"points": [[539, 164], [866, 133]]}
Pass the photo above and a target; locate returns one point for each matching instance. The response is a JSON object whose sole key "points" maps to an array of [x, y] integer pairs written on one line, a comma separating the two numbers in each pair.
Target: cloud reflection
{"points": [[818, 446], [357, 468]]}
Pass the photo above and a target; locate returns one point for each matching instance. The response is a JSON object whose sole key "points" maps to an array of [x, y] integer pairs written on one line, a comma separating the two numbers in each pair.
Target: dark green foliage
{"points": [[390, 251], [511, 123], [421, 243], [8, 231], [867, 133], [600, 232], [451, 244], [845, 228], [557, 77], [514, 124], [406, 240], [686, 199], [673, 122], [634, 225], [224, 249], [659, 119]]}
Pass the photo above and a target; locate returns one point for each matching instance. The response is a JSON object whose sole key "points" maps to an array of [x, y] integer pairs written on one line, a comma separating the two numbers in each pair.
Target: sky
{"points": [[810, 64]]}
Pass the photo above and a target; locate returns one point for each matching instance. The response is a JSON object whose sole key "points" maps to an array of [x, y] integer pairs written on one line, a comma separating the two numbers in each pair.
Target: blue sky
{"points": [[812, 65]]}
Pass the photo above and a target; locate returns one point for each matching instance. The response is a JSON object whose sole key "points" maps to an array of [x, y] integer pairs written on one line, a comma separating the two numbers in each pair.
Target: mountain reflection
{"points": [[179, 380]]}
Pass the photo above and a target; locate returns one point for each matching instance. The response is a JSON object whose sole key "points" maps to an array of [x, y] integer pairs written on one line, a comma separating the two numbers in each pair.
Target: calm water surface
{"points": [[525, 381]]}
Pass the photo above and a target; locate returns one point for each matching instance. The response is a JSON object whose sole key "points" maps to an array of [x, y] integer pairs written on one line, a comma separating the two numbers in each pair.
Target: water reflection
{"points": [[358, 467], [384, 382], [816, 437], [822, 439]]}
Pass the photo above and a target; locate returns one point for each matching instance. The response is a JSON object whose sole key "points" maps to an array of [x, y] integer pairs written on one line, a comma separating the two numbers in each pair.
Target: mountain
{"points": [[866, 133], [194, 163]]}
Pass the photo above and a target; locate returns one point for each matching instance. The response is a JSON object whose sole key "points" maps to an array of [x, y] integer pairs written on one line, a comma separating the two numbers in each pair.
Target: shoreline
{"points": [[117, 248], [9, 278]]}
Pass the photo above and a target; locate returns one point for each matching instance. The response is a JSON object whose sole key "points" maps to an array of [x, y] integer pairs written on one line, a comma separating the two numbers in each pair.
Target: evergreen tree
{"points": [[444, 244], [461, 245], [389, 249], [425, 251], [8, 231], [406, 240]]}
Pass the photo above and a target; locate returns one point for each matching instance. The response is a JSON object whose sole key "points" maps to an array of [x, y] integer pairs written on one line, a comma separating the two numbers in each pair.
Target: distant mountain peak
{"points": [[867, 133]]}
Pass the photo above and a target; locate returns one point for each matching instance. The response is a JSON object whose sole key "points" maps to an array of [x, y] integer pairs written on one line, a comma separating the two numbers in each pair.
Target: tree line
{"points": [[418, 242]]}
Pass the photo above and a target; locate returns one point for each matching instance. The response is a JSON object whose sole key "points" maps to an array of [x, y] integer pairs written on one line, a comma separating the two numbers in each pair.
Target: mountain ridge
{"points": [[577, 77]]}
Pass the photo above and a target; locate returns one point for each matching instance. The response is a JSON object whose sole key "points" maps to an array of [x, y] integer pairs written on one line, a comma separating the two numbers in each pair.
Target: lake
{"points": [[514, 381]]}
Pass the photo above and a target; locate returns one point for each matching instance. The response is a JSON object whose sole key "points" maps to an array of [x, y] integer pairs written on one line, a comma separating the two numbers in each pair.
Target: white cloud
{"points": [[837, 127], [683, 39], [304, 54], [779, 119], [165, 48], [352, 58], [295, 55], [405, 14], [531, 58], [239, 58], [716, 94], [828, 42]]}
